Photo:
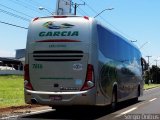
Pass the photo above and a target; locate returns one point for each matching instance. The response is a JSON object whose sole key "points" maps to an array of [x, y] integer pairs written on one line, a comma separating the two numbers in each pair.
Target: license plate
{"points": [[56, 97]]}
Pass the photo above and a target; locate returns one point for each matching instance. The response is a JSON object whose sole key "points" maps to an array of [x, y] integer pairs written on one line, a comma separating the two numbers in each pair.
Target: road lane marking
{"points": [[152, 99], [127, 111], [41, 111], [10, 117], [26, 114]]}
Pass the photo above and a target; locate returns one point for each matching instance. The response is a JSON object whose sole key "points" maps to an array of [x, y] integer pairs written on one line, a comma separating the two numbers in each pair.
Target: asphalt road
{"points": [[147, 108]]}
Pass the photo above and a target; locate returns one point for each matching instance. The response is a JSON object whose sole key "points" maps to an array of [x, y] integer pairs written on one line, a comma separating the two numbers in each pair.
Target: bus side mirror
{"points": [[144, 64]]}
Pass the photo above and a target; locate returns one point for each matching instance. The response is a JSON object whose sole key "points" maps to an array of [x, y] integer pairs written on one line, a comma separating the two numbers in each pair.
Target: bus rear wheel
{"points": [[138, 94], [114, 100]]}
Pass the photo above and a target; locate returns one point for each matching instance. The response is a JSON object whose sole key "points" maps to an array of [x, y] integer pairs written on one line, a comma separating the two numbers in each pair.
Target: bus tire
{"points": [[139, 91], [138, 94], [114, 99], [135, 100]]}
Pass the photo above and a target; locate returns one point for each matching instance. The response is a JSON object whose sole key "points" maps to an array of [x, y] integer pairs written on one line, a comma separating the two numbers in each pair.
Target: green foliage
{"points": [[153, 74], [11, 91], [146, 86]]}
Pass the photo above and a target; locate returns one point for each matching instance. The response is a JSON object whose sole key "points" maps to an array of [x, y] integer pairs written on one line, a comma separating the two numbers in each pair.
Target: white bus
{"points": [[74, 60]]}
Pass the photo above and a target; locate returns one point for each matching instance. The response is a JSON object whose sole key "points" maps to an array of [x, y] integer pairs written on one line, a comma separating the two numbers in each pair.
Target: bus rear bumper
{"points": [[61, 98]]}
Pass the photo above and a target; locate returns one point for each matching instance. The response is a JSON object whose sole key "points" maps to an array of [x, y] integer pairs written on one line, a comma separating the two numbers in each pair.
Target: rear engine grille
{"points": [[57, 55]]}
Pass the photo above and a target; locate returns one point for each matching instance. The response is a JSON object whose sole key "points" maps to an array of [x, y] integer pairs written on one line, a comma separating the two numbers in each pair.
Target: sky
{"points": [[137, 20]]}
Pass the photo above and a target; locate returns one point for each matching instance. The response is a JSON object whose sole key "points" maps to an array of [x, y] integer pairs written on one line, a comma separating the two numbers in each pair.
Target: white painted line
{"points": [[31, 113], [125, 112], [41, 111], [10, 117], [152, 99]]}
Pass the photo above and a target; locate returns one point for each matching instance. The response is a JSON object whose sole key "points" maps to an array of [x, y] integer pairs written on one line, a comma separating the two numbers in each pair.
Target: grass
{"points": [[146, 86], [11, 91]]}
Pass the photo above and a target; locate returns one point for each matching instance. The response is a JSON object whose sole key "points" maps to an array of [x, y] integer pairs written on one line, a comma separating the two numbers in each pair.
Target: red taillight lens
{"points": [[89, 82], [26, 72], [27, 83], [60, 16], [35, 18], [89, 76], [85, 17]]}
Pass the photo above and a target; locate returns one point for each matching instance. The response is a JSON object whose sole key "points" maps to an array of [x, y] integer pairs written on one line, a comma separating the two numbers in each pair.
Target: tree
{"points": [[147, 76], [155, 74]]}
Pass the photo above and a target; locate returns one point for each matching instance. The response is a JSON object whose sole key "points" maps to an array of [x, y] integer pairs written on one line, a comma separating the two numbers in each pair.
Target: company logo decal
{"points": [[59, 33], [51, 25]]}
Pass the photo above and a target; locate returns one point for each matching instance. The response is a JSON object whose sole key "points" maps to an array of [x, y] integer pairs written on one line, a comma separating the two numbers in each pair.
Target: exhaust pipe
{"points": [[34, 101]]}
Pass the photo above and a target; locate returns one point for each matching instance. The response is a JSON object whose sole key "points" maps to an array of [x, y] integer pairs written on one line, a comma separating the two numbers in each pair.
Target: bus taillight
{"points": [[85, 17], [27, 83], [89, 82], [35, 19]]}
